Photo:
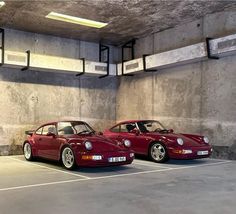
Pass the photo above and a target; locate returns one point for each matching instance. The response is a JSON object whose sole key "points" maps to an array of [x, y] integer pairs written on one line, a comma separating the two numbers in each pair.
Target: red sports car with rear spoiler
{"points": [[151, 138], [76, 143]]}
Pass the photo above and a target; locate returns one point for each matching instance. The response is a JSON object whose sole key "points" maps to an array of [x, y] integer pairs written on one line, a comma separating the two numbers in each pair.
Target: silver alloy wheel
{"points": [[158, 152], [27, 151], [68, 159]]}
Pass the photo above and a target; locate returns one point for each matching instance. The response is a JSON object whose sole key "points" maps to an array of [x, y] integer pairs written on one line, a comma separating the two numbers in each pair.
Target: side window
{"points": [[116, 129], [127, 127], [39, 131], [49, 128]]}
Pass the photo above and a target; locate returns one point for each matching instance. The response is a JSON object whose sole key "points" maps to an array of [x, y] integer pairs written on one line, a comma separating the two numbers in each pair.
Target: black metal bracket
{"points": [[83, 72], [103, 48], [2, 47], [128, 45], [145, 65], [27, 67], [209, 55]]}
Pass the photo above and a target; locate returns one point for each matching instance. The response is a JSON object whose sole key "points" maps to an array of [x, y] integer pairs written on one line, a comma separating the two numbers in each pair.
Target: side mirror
{"points": [[171, 130], [50, 134], [135, 131]]}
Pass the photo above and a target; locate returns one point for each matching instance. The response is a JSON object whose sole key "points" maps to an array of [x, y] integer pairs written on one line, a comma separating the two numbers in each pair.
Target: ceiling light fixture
{"points": [[2, 3], [75, 20]]}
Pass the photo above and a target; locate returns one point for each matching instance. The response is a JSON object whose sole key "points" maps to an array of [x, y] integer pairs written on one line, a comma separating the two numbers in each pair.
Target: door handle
{"points": [[40, 139]]}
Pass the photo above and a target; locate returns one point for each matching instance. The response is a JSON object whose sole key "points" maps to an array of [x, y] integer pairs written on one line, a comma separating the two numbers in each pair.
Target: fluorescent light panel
{"points": [[2, 3], [75, 20]]}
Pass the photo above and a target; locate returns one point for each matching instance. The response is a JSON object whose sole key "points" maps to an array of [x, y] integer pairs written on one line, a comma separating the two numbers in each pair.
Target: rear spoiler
{"points": [[29, 132]]}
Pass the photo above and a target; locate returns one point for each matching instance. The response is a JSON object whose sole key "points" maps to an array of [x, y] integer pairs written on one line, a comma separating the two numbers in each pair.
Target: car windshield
{"points": [[151, 126], [74, 127]]}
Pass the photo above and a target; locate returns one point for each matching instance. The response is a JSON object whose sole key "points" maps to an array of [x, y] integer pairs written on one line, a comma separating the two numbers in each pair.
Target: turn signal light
{"points": [[87, 157], [176, 151]]}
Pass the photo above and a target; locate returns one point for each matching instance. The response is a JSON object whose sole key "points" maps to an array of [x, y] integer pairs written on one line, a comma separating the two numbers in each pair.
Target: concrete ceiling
{"points": [[127, 18]]}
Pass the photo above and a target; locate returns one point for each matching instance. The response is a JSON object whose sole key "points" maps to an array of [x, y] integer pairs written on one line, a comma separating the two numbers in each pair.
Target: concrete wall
{"points": [[195, 98], [30, 98]]}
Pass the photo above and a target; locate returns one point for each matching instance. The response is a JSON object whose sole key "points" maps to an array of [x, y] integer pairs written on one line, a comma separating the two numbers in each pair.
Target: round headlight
{"points": [[127, 143], [206, 140], [88, 145], [180, 141]]}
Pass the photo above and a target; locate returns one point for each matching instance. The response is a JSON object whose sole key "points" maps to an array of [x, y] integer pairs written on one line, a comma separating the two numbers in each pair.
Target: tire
{"points": [[68, 158], [27, 149], [158, 152]]}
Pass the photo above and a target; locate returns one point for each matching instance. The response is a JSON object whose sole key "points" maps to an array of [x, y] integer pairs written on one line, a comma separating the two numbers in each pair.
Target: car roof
{"points": [[53, 122], [133, 121]]}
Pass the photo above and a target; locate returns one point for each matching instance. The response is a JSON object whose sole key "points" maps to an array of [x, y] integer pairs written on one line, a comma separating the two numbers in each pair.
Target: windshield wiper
{"points": [[84, 131], [164, 130]]}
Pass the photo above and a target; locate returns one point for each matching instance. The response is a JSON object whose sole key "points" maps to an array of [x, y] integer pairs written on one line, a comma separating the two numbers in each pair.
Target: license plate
{"points": [[202, 153], [116, 159]]}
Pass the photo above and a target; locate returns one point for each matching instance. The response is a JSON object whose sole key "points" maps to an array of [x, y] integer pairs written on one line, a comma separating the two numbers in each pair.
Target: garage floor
{"points": [[198, 186]]}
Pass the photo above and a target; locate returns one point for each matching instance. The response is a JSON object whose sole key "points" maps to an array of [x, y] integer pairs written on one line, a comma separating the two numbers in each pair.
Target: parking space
{"points": [[48, 172], [142, 187], [18, 173], [42, 169]]}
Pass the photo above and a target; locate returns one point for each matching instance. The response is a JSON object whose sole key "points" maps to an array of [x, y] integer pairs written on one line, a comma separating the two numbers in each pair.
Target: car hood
{"points": [[172, 138], [99, 143]]}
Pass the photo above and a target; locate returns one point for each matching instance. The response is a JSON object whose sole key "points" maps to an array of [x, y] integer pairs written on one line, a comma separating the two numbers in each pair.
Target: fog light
{"points": [[187, 151], [97, 157], [183, 151]]}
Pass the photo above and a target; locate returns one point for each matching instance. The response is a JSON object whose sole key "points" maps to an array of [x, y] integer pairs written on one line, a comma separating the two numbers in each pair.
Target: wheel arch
{"points": [[34, 152], [26, 141], [61, 149]]}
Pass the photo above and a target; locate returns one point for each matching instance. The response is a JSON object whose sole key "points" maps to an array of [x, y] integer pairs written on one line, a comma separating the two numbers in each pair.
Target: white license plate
{"points": [[202, 153], [116, 159]]}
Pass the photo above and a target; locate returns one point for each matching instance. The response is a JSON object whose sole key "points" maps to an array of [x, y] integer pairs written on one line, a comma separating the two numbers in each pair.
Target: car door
{"points": [[113, 133], [138, 140], [141, 143], [37, 138], [49, 144], [126, 131]]}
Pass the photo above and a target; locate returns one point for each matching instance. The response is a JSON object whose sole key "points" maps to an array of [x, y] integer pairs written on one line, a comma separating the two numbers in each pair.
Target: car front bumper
{"points": [[94, 159], [196, 152]]}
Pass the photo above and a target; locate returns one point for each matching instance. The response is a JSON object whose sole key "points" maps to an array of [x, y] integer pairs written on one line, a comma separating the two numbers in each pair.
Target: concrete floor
{"points": [[191, 187]]}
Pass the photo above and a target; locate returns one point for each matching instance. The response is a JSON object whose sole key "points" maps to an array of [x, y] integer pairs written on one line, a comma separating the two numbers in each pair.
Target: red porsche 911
{"points": [[151, 138], [76, 143]]}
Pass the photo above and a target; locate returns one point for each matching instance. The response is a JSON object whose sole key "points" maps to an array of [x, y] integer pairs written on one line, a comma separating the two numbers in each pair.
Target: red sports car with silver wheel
{"points": [[151, 138], [76, 143]]}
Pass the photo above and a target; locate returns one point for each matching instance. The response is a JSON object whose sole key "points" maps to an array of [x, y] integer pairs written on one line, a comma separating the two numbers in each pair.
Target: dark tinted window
{"points": [[150, 126], [74, 127], [127, 127]]}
